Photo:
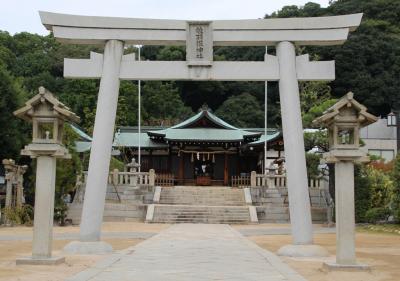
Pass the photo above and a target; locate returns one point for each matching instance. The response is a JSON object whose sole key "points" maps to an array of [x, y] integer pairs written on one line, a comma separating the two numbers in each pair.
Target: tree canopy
{"points": [[368, 64]]}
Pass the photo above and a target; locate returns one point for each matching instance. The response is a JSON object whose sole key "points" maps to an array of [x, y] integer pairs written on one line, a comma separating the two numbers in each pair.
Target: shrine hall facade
{"points": [[202, 150]]}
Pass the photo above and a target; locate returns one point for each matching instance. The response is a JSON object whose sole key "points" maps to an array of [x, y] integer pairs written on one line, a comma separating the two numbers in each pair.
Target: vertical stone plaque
{"points": [[199, 43]]}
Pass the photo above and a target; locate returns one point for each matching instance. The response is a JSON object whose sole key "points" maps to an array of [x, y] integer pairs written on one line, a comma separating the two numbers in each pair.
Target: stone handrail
{"points": [[129, 178], [279, 181]]}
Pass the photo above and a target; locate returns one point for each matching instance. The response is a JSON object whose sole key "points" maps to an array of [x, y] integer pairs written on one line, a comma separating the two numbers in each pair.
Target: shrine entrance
{"points": [[199, 37]]}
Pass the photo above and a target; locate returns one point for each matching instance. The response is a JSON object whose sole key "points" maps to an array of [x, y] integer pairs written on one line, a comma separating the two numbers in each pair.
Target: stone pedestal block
{"points": [[88, 248]]}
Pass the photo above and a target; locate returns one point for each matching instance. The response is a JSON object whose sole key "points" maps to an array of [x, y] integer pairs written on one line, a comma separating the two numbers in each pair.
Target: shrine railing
{"points": [[165, 180], [279, 181], [240, 181], [117, 177], [273, 181]]}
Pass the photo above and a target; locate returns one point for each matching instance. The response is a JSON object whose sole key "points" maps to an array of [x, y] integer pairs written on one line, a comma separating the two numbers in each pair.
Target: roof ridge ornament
{"points": [[205, 107]]}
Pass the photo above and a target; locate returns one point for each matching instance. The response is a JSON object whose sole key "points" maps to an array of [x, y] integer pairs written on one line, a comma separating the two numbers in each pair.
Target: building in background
{"points": [[380, 139]]}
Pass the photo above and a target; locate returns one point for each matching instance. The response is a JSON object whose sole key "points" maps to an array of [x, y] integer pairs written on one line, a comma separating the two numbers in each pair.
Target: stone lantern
{"points": [[344, 121], [47, 116]]}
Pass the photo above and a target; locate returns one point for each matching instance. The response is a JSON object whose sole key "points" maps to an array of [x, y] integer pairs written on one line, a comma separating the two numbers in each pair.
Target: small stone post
{"points": [[9, 184], [47, 115], [20, 185], [10, 169], [344, 120], [253, 179], [115, 177], [152, 177]]}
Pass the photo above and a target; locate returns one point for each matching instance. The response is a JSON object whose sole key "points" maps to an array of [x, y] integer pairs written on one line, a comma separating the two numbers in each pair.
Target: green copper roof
{"points": [[271, 136], [82, 146], [193, 129], [132, 140], [190, 130], [204, 114], [81, 133], [206, 134]]}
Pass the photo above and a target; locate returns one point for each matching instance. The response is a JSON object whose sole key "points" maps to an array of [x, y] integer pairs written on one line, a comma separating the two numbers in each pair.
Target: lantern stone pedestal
{"points": [[345, 215], [46, 155]]}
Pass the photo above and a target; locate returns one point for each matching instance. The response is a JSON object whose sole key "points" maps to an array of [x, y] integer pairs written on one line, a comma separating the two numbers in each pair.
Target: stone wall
{"points": [[130, 205], [273, 205]]}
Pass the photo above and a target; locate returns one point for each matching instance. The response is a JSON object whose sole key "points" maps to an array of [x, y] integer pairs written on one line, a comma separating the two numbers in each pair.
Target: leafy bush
{"points": [[60, 213], [19, 215], [362, 193], [375, 215], [312, 162], [381, 186], [396, 188], [374, 190]]}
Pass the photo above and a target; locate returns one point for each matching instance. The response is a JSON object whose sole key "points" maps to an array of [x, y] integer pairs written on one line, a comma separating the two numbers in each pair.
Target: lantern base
{"points": [[332, 266], [40, 261]]}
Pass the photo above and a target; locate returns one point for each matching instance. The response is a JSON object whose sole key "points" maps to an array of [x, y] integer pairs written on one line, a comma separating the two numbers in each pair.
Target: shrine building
{"points": [[202, 150]]}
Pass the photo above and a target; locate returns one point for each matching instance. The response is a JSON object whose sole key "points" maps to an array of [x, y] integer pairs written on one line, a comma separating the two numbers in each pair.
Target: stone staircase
{"points": [[193, 204], [270, 204]]}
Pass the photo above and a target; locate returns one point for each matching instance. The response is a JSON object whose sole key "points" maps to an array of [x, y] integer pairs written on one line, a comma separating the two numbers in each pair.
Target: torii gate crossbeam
{"points": [[199, 38]]}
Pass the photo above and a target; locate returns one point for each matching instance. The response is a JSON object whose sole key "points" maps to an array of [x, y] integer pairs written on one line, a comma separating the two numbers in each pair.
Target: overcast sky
{"points": [[22, 15]]}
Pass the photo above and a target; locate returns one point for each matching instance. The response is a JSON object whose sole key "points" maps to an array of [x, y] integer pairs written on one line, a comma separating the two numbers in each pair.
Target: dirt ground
{"points": [[10, 250], [380, 251]]}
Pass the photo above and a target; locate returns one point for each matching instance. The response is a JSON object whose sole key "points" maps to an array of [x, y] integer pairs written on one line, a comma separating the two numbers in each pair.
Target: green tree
{"points": [[316, 139], [242, 111], [163, 104], [14, 133], [362, 193], [312, 163]]}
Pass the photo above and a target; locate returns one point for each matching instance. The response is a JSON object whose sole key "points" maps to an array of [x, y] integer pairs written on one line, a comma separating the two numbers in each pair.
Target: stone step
{"points": [[214, 196], [203, 221], [204, 214], [272, 200], [200, 214], [199, 201]]}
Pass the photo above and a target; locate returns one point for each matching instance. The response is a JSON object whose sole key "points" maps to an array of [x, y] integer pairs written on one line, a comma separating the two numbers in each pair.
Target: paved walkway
{"points": [[259, 230], [192, 252]]}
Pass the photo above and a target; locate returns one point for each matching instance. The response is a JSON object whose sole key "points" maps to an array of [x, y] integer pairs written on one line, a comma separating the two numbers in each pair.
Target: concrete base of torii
{"points": [[303, 251], [88, 248]]}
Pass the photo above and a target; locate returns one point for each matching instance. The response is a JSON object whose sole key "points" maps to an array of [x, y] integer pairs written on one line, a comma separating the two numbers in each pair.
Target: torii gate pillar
{"points": [[297, 183], [100, 155]]}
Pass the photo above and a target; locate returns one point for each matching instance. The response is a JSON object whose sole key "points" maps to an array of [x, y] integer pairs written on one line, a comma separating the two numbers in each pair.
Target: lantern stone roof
{"points": [[60, 109], [346, 101]]}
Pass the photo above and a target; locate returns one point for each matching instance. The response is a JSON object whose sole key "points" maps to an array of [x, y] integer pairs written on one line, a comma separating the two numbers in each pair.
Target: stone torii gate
{"points": [[199, 38]]}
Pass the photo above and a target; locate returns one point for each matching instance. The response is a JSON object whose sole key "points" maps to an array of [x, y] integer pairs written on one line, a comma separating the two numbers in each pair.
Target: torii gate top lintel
{"points": [[331, 30]]}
